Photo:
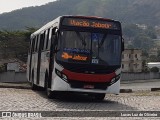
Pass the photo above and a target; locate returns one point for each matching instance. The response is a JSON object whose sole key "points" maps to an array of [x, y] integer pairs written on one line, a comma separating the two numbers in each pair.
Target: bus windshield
{"points": [[90, 48]]}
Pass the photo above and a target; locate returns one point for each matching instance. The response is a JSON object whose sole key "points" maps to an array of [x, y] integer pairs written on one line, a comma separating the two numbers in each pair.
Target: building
{"points": [[132, 60], [142, 26]]}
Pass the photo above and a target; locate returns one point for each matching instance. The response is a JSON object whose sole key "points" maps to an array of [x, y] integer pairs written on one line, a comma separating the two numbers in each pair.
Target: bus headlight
{"points": [[115, 79], [58, 73], [61, 75], [64, 77], [112, 81]]}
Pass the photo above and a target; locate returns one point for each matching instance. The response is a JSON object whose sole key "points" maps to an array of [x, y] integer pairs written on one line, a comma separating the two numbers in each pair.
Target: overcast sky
{"points": [[9, 5]]}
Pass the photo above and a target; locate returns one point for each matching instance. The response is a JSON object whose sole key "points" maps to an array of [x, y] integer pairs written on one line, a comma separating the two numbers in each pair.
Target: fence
{"points": [[140, 76], [12, 76]]}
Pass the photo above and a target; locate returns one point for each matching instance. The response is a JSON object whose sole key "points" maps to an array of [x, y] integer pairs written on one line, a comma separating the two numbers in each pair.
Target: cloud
{"points": [[9, 5]]}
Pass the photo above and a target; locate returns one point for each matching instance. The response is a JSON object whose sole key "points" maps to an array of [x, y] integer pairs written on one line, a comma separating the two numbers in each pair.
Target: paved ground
{"points": [[141, 99], [27, 100]]}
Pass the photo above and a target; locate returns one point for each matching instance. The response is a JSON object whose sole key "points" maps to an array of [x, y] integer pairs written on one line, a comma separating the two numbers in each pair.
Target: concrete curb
{"points": [[16, 86], [155, 89], [138, 81], [126, 91]]}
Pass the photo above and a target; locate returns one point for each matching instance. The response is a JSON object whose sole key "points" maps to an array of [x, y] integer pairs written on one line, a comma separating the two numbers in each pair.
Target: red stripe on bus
{"points": [[89, 77]]}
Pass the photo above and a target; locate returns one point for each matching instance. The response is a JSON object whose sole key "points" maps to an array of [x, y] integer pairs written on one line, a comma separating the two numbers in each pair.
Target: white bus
{"points": [[76, 54]]}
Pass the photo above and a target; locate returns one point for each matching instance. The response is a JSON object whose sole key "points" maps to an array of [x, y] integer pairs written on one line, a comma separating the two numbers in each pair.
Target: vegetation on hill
{"points": [[14, 38], [127, 11], [139, 38]]}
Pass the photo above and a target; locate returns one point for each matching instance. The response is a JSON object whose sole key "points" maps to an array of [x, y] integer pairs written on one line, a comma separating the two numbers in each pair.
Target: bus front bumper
{"points": [[60, 85]]}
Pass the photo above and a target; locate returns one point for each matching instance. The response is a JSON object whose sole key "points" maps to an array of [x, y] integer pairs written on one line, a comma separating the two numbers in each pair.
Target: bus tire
{"points": [[50, 94], [33, 86], [99, 96]]}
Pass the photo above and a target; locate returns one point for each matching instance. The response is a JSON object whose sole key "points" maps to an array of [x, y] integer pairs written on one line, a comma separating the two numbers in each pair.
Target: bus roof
{"points": [[48, 25]]}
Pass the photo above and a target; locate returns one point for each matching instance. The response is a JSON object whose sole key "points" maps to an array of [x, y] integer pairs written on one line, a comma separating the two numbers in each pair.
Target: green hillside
{"points": [[127, 11]]}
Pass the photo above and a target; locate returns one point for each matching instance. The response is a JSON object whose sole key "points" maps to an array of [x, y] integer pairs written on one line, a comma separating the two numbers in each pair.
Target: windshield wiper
{"points": [[81, 38], [102, 41]]}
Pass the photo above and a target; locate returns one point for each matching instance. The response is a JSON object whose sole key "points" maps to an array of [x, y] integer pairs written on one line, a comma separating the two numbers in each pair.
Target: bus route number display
{"points": [[79, 22]]}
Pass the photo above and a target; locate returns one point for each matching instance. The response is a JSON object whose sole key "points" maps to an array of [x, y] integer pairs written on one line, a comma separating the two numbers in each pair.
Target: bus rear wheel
{"points": [[33, 86]]}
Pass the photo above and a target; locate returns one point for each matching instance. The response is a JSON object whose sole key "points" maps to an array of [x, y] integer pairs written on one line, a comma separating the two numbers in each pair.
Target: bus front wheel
{"points": [[50, 94], [99, 96]]}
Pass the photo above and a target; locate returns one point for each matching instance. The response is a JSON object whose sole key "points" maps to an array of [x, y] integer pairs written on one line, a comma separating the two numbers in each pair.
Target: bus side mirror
{"points": [[56, 49], [56, 33], [122, 46]]}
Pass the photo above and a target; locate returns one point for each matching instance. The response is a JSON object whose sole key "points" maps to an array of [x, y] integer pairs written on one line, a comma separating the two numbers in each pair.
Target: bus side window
{"points": [[48, 31], [30, 46], [53, 35], [38, 43], [36, 40], [49, 38], [45, 40], [42, 41], [33, 42]]}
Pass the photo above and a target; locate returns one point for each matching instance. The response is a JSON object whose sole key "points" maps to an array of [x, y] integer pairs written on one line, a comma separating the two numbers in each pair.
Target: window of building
{"points": [[122, 66], [129, 55], [122, 56], [135, 55]]}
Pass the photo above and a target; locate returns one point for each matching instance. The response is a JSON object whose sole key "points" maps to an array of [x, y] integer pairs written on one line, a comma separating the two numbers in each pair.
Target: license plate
{"points": [[89, 86]]}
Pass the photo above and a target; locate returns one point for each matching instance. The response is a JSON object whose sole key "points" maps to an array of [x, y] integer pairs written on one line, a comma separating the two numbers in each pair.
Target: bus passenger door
{"points": [[41, 44], [52, 56]]}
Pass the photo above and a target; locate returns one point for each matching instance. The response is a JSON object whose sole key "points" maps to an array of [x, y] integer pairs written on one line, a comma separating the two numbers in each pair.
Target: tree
{"points": [[144, 66], [151, 32], [154, 69], [131, 30], [143, 42], [15, 44], [29, 31], [153, 58]]}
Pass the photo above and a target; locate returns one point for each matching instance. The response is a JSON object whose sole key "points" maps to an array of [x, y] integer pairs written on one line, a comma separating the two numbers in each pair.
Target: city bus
{"points": [[80, 54]]}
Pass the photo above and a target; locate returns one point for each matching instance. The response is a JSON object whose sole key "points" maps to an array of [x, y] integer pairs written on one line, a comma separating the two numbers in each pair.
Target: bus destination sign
{"points": [[93, 23]]}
